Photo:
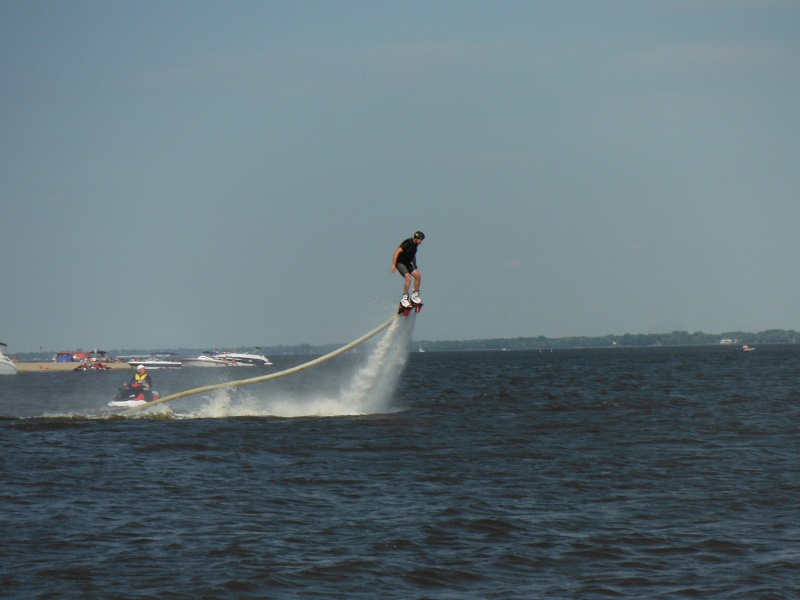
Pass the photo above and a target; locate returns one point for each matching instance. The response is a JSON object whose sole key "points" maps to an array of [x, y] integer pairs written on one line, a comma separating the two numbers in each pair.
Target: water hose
{"points": [[251, 380]]}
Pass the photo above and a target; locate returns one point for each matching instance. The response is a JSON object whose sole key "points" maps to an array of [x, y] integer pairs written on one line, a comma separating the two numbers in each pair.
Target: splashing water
{"points": [[369, 390], [372, 386]]}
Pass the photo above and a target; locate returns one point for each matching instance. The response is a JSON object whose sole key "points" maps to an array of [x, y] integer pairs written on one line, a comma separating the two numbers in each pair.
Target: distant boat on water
{"points": [[244, 359], [205, 360], [7, 366], [227, 359], [160, 360]]}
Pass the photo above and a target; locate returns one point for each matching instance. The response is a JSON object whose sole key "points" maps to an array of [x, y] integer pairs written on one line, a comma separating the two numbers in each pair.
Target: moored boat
{"points": [[7, 366], [205, 360], [159, 360], [244, 359]]}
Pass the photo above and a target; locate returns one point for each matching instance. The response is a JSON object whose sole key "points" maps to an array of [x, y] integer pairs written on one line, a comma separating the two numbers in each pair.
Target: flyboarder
{"points": [[404, 261]]}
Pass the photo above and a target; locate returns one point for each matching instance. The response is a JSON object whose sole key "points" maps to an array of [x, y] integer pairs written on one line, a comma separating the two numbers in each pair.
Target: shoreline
{"points": [[43, 367]]}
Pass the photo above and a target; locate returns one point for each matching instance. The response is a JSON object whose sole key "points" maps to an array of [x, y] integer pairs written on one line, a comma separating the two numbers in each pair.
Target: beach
{"points": [[28, 367]]}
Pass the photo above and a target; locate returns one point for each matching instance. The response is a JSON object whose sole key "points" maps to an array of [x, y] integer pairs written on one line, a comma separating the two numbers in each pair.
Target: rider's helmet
{"points": [[419, 235]]}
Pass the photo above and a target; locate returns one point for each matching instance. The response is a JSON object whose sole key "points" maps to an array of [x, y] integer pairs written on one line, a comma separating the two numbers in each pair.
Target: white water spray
{"points": [[373, 385], [369, 390]]}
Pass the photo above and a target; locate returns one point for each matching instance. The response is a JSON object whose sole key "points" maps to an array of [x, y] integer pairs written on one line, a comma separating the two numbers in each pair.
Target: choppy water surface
{"points": [[665, 472]]}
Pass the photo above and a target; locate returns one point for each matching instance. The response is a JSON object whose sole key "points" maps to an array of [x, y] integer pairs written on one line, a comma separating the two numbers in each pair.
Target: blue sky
{"points": [[206, 174]]}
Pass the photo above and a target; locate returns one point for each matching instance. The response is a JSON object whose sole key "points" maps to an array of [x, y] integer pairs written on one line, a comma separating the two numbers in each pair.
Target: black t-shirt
{"points": [[409, 254]]}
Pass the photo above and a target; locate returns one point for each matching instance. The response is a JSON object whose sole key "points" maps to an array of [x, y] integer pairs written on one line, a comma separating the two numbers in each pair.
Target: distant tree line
{"points": [[628, 340]]}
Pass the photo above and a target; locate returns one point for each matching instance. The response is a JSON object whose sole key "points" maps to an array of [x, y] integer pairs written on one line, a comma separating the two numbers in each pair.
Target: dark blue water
{"points": [[652, 473]]}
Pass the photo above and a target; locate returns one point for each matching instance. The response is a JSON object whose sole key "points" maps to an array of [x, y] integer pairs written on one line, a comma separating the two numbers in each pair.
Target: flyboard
{"points": [[132, 409], [406, 310]]}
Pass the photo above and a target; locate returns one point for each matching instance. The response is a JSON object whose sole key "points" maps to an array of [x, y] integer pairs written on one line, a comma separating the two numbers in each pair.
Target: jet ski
{"points": [[132, 396]]}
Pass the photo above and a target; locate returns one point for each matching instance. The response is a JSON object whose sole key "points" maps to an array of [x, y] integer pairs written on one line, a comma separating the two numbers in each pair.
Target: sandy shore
{"points": [[29, 367]]}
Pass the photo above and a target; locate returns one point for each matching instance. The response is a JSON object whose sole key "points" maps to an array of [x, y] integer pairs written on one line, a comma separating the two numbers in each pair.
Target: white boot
{"points": [[415, 298], [405, 301]]}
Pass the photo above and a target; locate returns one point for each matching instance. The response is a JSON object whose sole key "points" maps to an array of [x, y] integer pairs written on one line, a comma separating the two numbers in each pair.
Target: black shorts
{"points": [[404, 269]]}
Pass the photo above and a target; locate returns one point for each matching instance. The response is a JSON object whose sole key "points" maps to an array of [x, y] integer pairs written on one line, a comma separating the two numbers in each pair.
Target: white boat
{"points": [[7, 366], [205, 360], [243, 359], [161, 360]]}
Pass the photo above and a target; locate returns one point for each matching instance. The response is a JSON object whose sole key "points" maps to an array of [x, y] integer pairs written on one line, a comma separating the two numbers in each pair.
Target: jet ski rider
{"points": [[142, 382]]}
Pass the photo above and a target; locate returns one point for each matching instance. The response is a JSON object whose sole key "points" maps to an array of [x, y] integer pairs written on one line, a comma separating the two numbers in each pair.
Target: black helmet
{"points": [[419, 235]]}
